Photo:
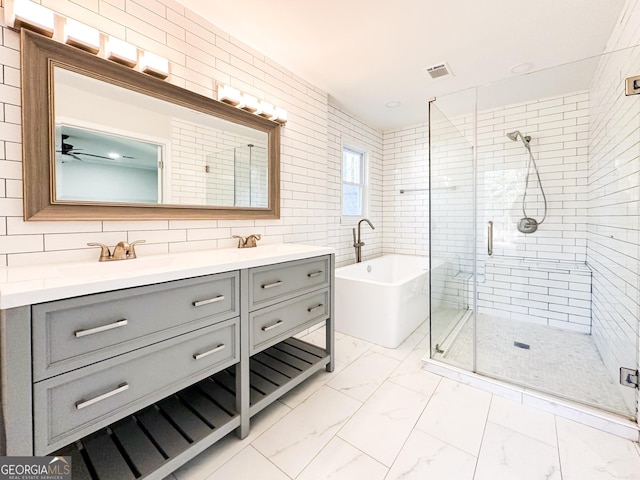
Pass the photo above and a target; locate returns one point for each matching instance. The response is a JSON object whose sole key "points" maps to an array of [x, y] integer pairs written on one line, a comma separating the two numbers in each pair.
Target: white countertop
{"points": [[29, 285]]}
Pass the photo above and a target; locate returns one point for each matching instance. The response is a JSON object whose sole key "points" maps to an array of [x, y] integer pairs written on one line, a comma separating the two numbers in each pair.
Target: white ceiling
{"points": [[366, 53]]}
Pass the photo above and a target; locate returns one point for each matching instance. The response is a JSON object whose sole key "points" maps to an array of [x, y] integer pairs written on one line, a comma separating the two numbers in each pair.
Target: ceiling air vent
{"points": [[438, 71]]}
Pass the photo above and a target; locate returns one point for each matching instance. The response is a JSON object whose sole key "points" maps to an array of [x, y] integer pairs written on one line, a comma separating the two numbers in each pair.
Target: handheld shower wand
{"points": [[528, 224]]}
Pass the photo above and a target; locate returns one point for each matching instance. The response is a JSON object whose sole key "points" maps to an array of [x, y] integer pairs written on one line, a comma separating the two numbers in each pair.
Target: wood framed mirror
{"points": [[105, 142]]}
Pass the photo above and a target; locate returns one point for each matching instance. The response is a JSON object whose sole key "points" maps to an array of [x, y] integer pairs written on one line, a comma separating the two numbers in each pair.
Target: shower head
{"points": [[513, 136]]}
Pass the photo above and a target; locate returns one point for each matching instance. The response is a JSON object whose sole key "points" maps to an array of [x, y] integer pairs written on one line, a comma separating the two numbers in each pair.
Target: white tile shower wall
{"points": [[557, 294], [536, 277], [346, 129], [200, 55], [559, 130], [406, 167], [614, 201]]}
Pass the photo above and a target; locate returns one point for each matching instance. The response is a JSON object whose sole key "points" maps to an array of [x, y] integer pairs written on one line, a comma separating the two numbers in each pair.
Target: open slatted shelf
{"points": [[155, 441], [280, 368]]}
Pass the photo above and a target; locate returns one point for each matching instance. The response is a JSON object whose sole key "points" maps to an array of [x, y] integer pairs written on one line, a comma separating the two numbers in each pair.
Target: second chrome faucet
{"points": [[357, 242]]}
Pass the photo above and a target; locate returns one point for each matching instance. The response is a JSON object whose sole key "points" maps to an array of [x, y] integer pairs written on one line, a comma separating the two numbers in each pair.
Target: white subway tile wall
{"points": [[535, 277], [613, 236], [200, 55], [406, 167], [557, 294]]}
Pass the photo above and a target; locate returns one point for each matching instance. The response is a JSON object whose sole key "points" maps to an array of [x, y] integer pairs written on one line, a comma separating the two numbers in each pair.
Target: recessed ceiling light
{"points": [[394, 104], [521, 67]]}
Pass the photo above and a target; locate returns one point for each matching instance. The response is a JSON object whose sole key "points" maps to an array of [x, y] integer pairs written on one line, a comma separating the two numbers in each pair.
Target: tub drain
{"points": [[521, 345]]}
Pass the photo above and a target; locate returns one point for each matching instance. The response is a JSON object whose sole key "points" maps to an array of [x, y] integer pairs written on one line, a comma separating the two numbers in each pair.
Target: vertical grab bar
{"points": [[490, 237]]}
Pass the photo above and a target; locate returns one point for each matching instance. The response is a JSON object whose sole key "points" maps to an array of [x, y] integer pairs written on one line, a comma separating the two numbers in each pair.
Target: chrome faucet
{"points": [[358, 243], [122, 251]]}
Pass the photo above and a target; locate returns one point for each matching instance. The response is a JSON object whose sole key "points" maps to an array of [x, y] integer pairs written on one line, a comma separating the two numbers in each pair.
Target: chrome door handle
{"points": [[271, 285], [313, 309], [103, 328], [490, 237], [314, 274], [85, 403], [198, 356], [200, 303], [271, 327]]}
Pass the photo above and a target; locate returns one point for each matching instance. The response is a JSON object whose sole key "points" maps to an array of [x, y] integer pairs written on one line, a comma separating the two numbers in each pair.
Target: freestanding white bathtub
{"points": [[383, 300]]}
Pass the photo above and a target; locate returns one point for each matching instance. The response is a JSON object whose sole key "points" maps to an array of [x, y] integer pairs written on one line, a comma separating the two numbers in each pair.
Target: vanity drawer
{"points": [[276, 283], [76, 332], [69, 406], [270, 325]]}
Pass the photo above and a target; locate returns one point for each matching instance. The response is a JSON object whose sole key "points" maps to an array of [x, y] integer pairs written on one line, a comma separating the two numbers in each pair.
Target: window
{"points": [[353, 182]]}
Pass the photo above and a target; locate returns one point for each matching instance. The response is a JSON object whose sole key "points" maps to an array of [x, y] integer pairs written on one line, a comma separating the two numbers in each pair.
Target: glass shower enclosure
{"points": [[553, 310]]}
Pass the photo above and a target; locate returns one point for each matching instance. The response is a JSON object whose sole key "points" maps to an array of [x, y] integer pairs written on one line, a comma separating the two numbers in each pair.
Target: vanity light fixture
{"points": [[81, 36], [29, 15], [250, 103], [154, 65], [280, 115], [229, 95], [266, 109], [121, 52], [235, 97]]}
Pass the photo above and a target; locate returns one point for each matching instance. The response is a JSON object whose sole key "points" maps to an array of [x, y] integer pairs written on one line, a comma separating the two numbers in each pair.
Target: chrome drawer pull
{"points": [[274, 284], [271, 327], [103, 328], [314, 274], [200, 303], [82, 404], [219, 348], [313, 309]]}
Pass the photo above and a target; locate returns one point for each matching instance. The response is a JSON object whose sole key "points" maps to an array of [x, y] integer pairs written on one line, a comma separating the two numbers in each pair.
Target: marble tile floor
{"points": [[380, 416]]}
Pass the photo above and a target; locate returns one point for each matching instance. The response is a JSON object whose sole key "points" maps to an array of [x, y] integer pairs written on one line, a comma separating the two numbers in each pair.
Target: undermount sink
{"points": [[114, 267]]}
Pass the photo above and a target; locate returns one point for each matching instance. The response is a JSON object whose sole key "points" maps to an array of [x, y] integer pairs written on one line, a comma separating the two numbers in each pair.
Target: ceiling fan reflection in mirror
{"points": [[69, 150], [75, 144]]}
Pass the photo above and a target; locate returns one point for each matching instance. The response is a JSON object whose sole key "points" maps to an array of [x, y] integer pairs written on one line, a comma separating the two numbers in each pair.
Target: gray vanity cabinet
{"points": [[72, 333], [273, 324], [81, 401], [273, 284], [284, 300], [135, 382]]}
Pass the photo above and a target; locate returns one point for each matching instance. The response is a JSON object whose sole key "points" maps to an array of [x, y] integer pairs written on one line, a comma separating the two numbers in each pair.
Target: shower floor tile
{"points": [[558, 362]]}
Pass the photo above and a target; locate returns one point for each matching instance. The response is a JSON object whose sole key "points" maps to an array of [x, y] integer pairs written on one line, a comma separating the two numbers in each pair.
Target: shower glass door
{"points": [[553, 309], [451, 231]]}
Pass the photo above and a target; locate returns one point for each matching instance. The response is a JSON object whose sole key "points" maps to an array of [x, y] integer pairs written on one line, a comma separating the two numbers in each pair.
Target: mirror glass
{"points": [[117, 145], [102, 141]]}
